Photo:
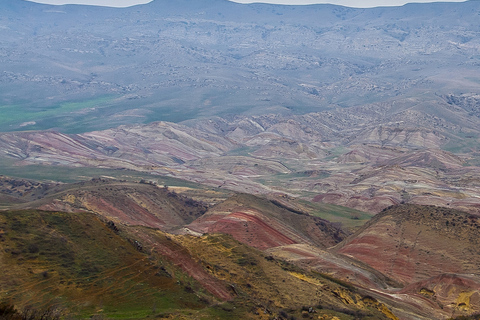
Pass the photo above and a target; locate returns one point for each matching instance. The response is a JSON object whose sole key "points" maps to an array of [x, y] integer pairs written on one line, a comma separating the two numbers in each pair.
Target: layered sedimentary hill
{"points": [[411, 243], [367, 157], [130, 203], [431, 250], [409, 262], [76, 264], [264, 224]]}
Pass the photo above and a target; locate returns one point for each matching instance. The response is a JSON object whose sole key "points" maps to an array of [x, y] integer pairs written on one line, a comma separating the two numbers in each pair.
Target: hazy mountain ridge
{"points": [[174, 61]]}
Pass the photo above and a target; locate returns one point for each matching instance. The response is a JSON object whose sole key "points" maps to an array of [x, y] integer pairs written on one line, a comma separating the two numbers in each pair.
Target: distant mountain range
{"points": [[71, 68]]}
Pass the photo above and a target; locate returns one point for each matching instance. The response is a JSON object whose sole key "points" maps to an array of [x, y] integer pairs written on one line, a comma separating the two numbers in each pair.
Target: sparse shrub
{"points": [[33, 248], [112, 226], [369, 299], [8, 312], [245, 261], [227, 307]]}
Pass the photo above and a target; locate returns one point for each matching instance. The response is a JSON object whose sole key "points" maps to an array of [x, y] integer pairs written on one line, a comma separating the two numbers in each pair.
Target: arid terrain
{"points": [[212, 160], [258, 257], [367, 158]]}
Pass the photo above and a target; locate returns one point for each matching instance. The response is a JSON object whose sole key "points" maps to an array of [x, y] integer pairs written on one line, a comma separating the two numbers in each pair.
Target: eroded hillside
{"points": [[80, 265], [366, 158], [258, 257]]}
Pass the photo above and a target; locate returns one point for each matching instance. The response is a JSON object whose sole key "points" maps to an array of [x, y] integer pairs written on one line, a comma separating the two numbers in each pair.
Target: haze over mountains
{"points": [[106, 3], [351, 3], [346, 3], [180, 60], [255, 161]]}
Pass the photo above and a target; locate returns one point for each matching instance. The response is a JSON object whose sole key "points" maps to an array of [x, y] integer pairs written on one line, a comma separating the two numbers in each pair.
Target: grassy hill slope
{"points": [[81, 266]]}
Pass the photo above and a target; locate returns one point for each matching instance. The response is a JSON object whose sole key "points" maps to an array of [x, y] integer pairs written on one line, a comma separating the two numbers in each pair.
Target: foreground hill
{"points": [[264, 224], [267, 256], [412, 243], [76, 264], [124, 202], [80, 265]]}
